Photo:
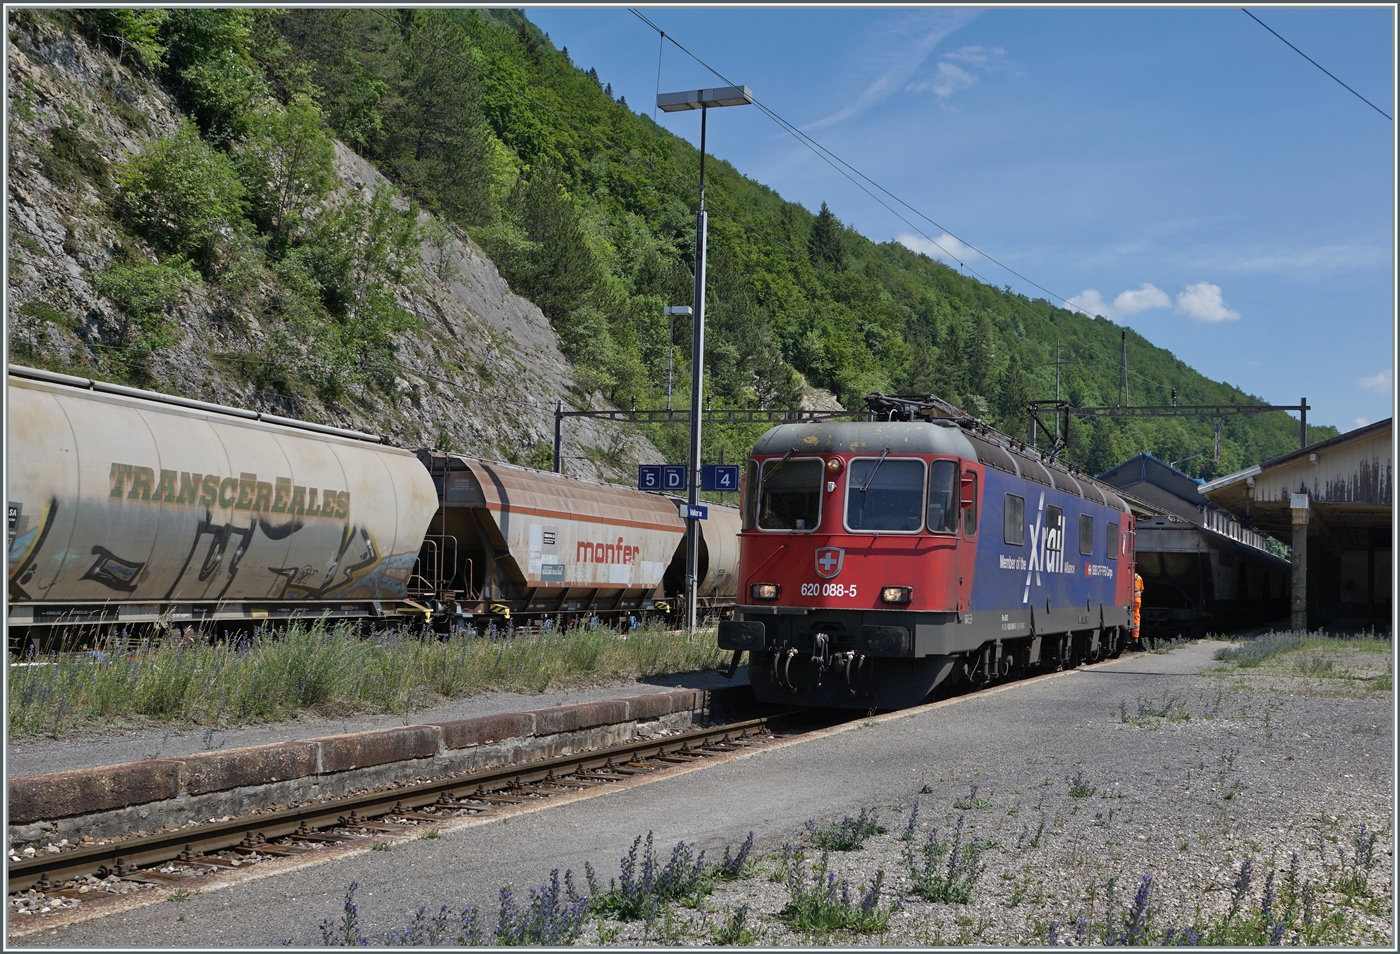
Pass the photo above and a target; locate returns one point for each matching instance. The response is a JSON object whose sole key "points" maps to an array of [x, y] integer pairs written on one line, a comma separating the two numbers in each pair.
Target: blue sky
{"points": [[1178, 170]]}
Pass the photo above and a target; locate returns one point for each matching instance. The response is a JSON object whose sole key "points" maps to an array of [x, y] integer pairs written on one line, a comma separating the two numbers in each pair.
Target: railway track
{"points": [[168, 858]]}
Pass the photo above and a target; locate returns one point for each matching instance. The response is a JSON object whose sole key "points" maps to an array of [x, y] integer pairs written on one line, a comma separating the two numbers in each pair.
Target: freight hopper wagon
{"points": [[880, 560], [128, 506], [513, 543]]}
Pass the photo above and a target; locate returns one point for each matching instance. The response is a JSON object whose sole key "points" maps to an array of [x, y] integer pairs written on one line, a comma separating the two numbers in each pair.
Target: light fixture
{"points": [[896, 594], [765, 591]]}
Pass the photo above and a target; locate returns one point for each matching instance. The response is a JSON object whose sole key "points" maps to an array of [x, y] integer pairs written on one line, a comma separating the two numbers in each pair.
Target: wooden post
{"points": [[1299, 505]]}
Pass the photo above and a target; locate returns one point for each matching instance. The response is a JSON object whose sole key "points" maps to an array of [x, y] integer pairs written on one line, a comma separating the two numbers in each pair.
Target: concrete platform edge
{"points": [[197, 786]]}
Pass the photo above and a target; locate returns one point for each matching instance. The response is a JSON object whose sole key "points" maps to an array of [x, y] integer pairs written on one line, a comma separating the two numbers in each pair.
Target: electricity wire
{"points": [[823, 153], [1316, 63]]}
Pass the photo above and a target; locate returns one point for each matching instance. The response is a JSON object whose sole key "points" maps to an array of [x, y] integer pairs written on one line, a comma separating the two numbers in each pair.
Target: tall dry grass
{"points": [[312, 668]]}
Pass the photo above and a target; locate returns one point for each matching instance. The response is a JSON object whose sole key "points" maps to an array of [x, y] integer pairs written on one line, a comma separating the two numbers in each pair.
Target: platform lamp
{"points": [[671, 311], [703, 100]]}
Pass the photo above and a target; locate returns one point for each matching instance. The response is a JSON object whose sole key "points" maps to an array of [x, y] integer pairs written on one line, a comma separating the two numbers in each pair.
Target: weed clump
{"points": [[849, 834], [824, 904], [639, 894], [943, 870]]}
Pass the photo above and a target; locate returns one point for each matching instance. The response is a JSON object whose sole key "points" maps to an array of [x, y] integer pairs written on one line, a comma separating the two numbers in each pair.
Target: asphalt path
{"points": [[878, 762]]}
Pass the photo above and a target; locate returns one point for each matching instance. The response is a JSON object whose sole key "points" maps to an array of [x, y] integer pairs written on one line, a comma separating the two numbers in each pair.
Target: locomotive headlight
{"points": [[764, 591], [834, 465], [896, 594]]}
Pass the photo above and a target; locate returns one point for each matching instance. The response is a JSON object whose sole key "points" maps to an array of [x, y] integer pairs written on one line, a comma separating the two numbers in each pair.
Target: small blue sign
{"points": [[648, 476], [722, 477], [552, 572], [697, 512], [673, 477]]}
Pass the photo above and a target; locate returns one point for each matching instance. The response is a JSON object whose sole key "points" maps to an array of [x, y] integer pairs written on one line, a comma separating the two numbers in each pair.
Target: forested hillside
{"points": [[586, 208]]}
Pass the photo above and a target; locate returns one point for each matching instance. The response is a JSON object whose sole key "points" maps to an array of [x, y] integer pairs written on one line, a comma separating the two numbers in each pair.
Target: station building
{"points": [[1333, 501]]}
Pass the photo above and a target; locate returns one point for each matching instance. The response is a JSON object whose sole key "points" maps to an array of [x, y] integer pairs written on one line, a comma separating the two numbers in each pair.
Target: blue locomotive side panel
{"points": [[1043, 562]]}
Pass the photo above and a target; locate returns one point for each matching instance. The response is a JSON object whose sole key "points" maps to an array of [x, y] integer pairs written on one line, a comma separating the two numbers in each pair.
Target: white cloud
{"points": [[976, 55], [896, 51], [1380, 383], [1360, 421], [1203, 302], [949, 80], [944, 249], [1091, 302], [1127, 303]]}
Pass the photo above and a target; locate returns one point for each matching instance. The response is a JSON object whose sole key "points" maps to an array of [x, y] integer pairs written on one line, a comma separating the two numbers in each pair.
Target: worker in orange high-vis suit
{"points": [[1137, 605]]}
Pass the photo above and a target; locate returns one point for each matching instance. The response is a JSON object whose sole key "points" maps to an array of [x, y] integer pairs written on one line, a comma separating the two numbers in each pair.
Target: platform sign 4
{"points": [[673, 477], [648, 476], [722, 477]]}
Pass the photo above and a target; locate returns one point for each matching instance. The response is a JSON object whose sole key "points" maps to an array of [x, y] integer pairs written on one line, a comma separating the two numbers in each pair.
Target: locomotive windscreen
{"points": [[884, 494], [790, 494]]}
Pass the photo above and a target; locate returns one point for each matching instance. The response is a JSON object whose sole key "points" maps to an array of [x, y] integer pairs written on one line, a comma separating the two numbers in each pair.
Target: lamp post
{"points": [[671, 311], [703, 100]]}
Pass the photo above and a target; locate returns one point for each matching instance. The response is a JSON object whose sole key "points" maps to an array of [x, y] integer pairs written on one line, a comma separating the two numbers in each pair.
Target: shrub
{"points": [[287, 166], [144, 293], [184, 197], [71, 157], [224, 93]]}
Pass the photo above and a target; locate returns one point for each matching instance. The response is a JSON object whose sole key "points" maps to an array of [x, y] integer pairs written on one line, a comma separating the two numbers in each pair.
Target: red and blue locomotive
{"points": [[882, 559]]}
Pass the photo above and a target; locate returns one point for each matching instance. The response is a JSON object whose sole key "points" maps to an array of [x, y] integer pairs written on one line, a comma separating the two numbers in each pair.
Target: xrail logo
{"points": [[1047, 545]]}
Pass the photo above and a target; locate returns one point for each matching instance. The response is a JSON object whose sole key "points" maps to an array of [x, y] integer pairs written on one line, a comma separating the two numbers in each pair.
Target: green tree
{"points": [[184, 197], [135, 33], [1013, 396], [553, 266], [826, 244], [225, 92], [287, 166], [436, 138], [953, 352]]}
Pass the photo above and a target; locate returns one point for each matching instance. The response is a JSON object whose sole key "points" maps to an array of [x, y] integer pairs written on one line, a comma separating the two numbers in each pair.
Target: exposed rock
{"points": [[480, 376]]}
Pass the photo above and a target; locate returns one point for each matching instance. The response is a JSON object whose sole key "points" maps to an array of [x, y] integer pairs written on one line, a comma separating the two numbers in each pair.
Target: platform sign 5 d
{"points": [[648, 476], [722, 477]]}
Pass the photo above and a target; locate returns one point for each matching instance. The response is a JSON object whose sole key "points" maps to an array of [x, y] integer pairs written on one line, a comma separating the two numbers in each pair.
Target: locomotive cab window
{"points": [[750, 495], [969, 491], [1086, 535], [1013, 520], [943, 496], [885, 494], [790, 494], [1111, 539]]}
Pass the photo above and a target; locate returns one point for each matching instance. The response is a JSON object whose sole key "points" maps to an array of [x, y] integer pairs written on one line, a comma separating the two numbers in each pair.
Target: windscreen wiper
{"points": [[883, 454], [765, 473]]}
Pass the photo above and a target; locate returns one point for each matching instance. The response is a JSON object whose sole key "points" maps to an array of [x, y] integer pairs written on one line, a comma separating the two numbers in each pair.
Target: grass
{"points": [[313, 668], [823, 904], [1321, 650]]}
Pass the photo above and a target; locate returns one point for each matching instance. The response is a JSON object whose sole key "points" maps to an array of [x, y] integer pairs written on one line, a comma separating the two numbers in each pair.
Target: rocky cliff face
{"points": [[480, 375]]}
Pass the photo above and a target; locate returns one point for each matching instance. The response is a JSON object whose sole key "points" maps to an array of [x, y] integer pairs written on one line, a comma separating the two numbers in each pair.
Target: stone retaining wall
{"points": [[117, 799]]}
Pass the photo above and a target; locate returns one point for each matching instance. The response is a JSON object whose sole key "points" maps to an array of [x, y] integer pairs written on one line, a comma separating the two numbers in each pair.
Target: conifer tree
{"points": [[826, 246]]}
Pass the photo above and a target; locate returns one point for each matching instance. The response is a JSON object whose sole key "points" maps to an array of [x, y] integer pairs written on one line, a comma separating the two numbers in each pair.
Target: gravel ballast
{"points": [[1185, 768]]}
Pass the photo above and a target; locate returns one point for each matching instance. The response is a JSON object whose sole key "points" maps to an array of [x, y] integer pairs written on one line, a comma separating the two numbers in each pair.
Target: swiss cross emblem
{"points": [[829, 560]]}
